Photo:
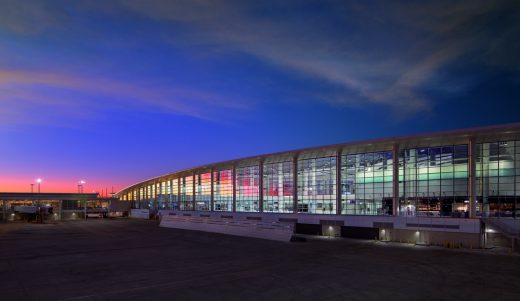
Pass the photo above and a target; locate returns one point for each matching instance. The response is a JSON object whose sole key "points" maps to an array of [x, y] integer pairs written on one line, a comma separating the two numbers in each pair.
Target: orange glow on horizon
{"points": [[15, 184]]}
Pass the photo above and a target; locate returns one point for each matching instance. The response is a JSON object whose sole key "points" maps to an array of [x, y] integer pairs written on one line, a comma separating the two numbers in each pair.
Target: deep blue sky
{"points": [[115, 92]]}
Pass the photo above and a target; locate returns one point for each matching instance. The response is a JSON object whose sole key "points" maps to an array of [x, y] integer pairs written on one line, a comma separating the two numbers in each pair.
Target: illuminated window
{"points": [[278, 187], [247, 188], [433, 181], [186, 200], [174, 197], [223, 190], [317, 184], [498, 178], [203, 191], [366, 183]]}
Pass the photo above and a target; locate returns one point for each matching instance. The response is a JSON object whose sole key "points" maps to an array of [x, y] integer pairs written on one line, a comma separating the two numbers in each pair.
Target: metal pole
{"points": [[212, 200], [395, 179], [194, 202], [338, 182], [178, 203], [472, 182], [38, 203], [261, 185], [295, 183], [234, 188]]}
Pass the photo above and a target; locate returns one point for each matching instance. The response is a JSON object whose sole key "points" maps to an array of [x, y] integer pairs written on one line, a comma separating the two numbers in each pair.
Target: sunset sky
{"points": [[115, 92]]}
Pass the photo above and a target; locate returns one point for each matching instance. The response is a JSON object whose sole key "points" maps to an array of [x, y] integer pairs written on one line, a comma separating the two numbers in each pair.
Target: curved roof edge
{"points": [[505, 128]]}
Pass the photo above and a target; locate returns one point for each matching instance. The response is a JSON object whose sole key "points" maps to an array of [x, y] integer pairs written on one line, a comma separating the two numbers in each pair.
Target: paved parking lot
{"points": [[137, 260]]}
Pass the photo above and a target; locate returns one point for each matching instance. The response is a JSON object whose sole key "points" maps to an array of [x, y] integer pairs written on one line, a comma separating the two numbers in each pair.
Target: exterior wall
{"points": [[459, 232], [497, 240], [435, 182], [432, 177], [439, 238]]}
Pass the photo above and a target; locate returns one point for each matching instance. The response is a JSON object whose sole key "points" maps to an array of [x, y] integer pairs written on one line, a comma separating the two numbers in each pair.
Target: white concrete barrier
{"points": [[257, 229], [140, 213]]}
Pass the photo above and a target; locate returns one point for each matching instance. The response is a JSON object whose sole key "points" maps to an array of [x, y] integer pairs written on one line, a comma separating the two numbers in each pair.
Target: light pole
{"points": [[39, 181], [80, 186], [80, 190], [32, 188]]}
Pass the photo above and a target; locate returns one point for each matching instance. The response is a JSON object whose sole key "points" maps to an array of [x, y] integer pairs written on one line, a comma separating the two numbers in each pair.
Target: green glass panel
{"points": [[378, 173], [434, 170], [447, 175], [434, 176], [506, 172], [461, 167], [493, 165], [422, 170], [461, 174], [378, 179], [447, 168]]}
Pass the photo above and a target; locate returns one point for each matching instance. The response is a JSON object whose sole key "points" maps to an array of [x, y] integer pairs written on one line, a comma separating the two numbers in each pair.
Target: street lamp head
{"points": [[81, 182], [38, 180]]}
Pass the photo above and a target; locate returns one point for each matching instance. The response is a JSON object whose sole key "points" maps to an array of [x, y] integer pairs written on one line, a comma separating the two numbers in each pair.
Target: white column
{"points": [[395, 179], [471, 179]]}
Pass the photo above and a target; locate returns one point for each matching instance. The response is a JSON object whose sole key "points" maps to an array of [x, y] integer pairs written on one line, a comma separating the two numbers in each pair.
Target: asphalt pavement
{"points": [[137, 260]]}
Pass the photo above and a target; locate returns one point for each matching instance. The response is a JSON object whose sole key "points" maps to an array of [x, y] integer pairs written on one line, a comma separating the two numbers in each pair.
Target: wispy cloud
{"points": [[22, 92], [369, 69], [31, 17], [379, 53]]}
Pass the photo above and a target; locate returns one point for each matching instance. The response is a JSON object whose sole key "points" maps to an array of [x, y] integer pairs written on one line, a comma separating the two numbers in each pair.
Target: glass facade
{"points": [[366, 183], [174, 197], [433, 181], [247, 189], [162, 197], [498, 178], [148, 202], [278, 187], [186, 193], [141, 197], [203, 191], [317, 185], [223, 190]]}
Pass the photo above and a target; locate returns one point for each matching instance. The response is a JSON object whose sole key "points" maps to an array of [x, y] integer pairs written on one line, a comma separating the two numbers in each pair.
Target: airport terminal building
{"points": [[434, 187]]}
